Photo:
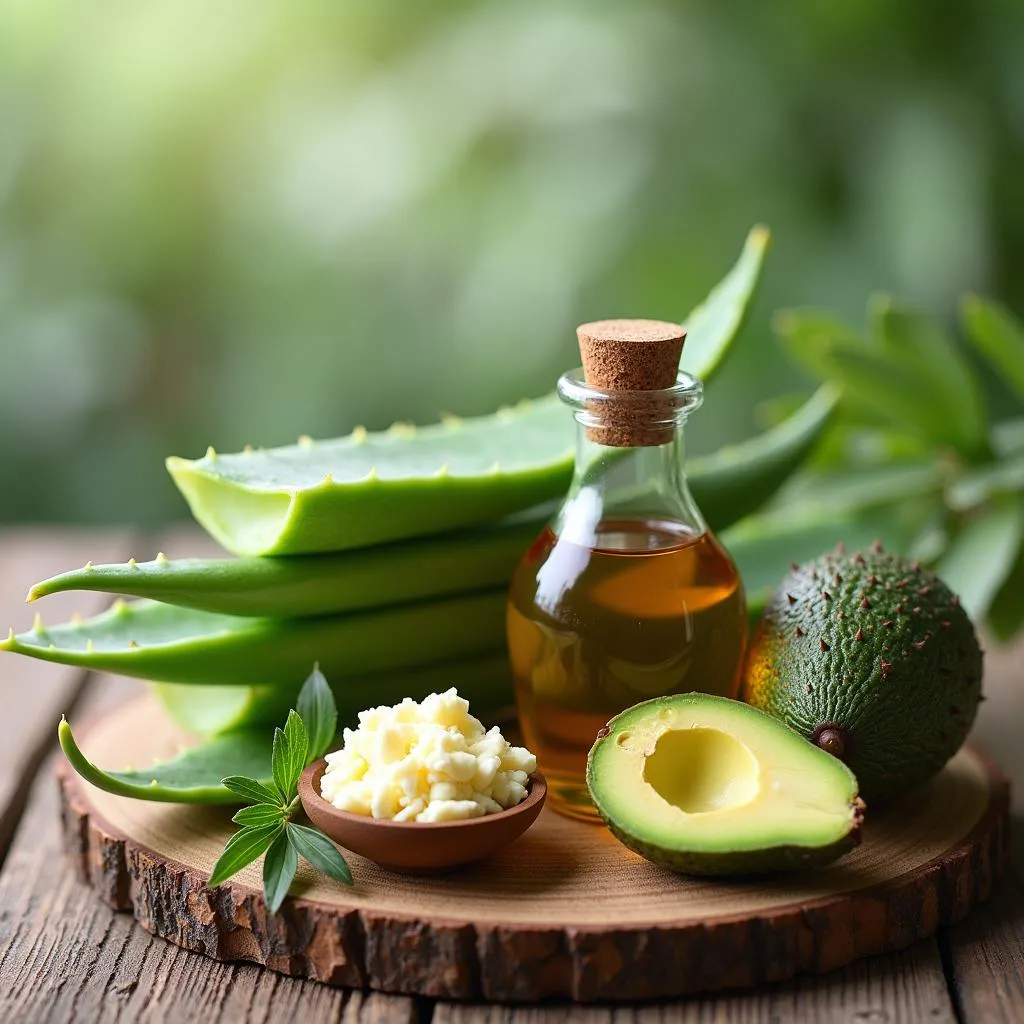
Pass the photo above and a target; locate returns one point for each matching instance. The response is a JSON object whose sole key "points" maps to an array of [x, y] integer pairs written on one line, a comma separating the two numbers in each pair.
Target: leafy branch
{"points": [[266, 823], [916, 442]]}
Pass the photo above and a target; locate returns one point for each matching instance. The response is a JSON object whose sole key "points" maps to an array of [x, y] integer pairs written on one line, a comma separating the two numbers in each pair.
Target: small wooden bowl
{"points": [[412, 847]]}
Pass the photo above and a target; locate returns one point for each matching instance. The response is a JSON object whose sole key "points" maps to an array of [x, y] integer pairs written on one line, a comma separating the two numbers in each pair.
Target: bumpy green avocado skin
{"points": [[873, 659], [751, 862]]}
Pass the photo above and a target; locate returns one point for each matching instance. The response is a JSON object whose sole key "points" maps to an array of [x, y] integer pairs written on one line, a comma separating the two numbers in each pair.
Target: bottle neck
{"points": [[612, 484]]}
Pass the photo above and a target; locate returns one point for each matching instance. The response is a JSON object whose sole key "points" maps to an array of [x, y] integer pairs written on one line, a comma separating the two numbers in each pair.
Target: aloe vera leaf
{"points": [[737, 480], [164, 643], [370, 488], [484, 681], [712, 326], [307, 585], [727, 485], [193, 777]]}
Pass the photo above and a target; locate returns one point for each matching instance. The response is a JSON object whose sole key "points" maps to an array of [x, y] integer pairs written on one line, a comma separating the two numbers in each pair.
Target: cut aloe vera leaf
{"points": [[193, 777], [727, 486], [307, 585], [370, 488], [484, 681], [164, 643]]}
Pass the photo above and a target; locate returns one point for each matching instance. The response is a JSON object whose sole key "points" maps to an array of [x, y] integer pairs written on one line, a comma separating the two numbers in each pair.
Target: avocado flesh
{"points": [[710, 786]]}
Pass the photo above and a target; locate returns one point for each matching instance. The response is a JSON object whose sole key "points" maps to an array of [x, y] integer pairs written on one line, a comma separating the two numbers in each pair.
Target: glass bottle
{"points": [[626, 594]]}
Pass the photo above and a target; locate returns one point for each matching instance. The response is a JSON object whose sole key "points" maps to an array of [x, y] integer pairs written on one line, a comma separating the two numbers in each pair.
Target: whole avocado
{"points": [[873, 659]]}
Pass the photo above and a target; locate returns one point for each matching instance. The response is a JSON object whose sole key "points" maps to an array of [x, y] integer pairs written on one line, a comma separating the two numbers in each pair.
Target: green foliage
{"points": [[916, 444], [998, 335], [267, 827]]}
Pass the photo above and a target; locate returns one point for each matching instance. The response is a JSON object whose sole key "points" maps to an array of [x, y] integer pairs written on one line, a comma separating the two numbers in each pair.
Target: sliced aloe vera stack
{"points": [[484, 681], [370, 488], [728, 485], [164, 643]]}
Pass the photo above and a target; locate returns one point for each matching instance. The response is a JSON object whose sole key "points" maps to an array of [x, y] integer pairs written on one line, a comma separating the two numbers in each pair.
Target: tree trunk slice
{"points": [[565, 912]]}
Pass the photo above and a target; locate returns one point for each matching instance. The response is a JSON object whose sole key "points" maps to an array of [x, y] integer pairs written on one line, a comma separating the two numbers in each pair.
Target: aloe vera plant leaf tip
{"points": [[193, 777], [370, 488], [155, 641]]}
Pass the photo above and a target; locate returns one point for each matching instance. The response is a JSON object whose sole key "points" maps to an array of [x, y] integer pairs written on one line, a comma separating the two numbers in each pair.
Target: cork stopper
{"points": [[632, 356]]}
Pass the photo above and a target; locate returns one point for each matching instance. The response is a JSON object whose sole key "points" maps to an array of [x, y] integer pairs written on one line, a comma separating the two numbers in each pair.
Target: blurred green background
{"points": [[237, 222]]}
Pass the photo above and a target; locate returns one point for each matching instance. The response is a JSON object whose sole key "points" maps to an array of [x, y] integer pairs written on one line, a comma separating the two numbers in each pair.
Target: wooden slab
{"points": [[565, 912]]}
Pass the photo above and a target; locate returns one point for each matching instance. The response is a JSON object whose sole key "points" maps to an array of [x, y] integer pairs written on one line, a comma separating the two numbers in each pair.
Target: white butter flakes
{"points": [[425, 761]]}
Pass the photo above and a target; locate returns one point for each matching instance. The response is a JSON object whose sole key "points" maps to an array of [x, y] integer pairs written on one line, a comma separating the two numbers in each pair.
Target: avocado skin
{"points": [[874, 649], [740, 862]]}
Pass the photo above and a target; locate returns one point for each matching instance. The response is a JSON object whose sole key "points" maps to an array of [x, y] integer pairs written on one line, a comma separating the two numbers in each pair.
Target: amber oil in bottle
{"points": [[626, 595]]}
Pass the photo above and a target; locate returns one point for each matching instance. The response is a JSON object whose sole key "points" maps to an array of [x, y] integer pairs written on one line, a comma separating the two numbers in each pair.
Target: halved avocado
{"points": [[711, 786]]}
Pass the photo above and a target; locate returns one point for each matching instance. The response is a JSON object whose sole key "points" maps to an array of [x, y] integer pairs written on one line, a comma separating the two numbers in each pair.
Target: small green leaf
{"points": [[1008, 437], [280, 762], [1006, 613], [920, 347], [279, 869], [250, 790], [242, 849], [714, 324], [980, 559], [853, 489], [298, 744], [320, 852], [998, 335], [319, 714], [260, 814], [882, 378], [980, 485]]}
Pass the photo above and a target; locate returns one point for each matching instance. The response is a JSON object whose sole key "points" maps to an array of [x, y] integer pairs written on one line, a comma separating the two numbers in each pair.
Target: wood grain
{"points": [[565, 912], [903, 988], [33, 695]]}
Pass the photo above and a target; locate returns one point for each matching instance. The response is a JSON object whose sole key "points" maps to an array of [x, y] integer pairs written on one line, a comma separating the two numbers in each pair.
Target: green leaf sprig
{"points": [[267, 826]]}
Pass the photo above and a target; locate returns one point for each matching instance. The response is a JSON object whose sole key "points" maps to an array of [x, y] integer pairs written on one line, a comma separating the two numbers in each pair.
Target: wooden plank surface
{"points": [[33, 695], [65, 957]]}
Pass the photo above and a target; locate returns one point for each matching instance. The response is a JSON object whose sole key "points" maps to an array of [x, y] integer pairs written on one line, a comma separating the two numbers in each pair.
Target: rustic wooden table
{"points": [[65, 957]]}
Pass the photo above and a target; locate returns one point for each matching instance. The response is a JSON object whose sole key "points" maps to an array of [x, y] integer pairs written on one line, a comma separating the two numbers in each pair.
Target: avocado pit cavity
{"points": [[701, 770]]}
